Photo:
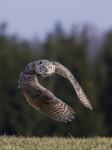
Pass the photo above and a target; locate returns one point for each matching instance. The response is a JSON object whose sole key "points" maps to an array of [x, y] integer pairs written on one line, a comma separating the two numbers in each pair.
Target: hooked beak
{"points": [[38, 75]]}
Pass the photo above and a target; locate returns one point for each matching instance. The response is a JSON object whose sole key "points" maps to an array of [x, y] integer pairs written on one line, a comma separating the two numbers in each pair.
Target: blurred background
{"points": [[75, 33]]}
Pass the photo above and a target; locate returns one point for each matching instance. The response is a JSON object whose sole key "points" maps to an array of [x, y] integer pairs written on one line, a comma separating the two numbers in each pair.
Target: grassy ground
{"points": [[36, 143]]}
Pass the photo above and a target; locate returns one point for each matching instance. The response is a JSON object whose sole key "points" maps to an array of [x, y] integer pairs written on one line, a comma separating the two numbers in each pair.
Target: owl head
{"points": [[44, 68]]}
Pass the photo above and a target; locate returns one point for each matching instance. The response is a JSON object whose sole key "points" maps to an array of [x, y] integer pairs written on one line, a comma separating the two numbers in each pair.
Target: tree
{"points": [[17, 117], [105, 80]]}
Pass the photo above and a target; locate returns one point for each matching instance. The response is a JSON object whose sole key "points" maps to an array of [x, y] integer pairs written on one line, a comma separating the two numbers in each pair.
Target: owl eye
{"points": [[40, 63]]}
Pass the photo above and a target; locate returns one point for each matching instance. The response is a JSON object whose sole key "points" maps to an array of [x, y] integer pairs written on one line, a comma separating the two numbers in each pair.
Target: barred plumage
{"points": [[60, 69], [44, 100]]}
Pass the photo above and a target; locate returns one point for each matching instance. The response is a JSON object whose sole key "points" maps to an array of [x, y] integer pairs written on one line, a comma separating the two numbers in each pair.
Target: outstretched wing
{"points": [[45, 102], [60, 69]]}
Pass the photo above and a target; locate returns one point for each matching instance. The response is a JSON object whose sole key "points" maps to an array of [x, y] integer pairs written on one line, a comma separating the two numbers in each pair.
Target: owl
{"points": [[41, 98]]}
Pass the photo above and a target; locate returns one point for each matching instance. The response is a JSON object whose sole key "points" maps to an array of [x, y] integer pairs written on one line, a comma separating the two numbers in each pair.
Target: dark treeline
{"points": [[72, 50]]}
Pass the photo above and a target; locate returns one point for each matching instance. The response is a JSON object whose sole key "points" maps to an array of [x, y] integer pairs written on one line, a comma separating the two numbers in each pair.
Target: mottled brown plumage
{"points": [[45, 101], [41, 98], [60, 69]]}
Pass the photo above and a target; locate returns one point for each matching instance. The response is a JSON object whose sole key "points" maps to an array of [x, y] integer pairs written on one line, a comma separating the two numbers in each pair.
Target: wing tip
{"points": [[69, 119], [90, 107]]}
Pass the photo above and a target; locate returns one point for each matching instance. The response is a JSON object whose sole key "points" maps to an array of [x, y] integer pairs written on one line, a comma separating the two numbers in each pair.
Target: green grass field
{"points": [[54, 143]]}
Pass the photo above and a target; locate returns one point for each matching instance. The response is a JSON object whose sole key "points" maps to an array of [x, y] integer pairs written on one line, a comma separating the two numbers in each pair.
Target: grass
{"points": [[54, 143]]}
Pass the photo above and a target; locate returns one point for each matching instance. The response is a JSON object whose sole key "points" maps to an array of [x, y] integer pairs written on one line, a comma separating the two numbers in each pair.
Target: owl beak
{"points": [[38, 75]]}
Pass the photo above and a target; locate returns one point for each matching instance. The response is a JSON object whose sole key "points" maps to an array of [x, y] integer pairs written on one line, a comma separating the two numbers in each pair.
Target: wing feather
{"points": [[45, 102], [60, 69]]}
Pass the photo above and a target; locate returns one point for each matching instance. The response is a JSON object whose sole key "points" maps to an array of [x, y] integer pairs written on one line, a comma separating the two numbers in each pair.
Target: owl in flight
{"points": [[41, 98]]}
